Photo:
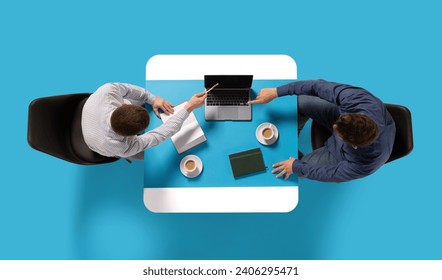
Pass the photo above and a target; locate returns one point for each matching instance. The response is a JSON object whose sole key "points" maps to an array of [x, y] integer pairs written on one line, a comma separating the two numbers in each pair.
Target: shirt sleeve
{"points": [[158, 135], [135, 94], [323, 89], [350, 99], [343, 171]]}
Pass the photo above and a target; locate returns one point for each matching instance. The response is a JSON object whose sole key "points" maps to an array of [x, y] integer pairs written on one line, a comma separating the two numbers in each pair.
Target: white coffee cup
{"points": [[190, 165], [267, 133]]}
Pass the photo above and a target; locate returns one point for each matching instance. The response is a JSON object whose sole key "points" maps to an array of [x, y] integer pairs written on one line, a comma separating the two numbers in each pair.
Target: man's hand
{"points": [[196, 101], [162, 104], [264, 96], [284, 167]]}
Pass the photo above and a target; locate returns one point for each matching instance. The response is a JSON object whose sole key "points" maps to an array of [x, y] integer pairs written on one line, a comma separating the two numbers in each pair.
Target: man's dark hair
{"points": [[128, 120], [357, 129]]}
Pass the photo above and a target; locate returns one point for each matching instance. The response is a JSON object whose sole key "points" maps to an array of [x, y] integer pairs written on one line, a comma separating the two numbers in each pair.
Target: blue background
{"points": [[50, 209]]}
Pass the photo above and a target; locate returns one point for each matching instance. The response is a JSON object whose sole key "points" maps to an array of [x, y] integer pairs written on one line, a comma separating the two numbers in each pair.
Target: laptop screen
{"points": [[228, 81]]}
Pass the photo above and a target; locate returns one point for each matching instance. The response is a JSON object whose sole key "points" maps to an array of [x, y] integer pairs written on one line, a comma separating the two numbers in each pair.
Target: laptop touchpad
{"points": [[227, 113]]}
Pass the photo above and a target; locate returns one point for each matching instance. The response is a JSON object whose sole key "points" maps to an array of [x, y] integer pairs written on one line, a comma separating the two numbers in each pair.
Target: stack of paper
{"points": [[190, 134]]}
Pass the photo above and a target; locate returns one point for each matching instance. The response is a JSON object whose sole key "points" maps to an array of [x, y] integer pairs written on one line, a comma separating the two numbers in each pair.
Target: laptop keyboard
{"points": [[227, 99]]}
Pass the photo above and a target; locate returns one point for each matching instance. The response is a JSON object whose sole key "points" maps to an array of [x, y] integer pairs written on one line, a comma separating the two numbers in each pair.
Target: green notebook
{"points": [[247, 162]]}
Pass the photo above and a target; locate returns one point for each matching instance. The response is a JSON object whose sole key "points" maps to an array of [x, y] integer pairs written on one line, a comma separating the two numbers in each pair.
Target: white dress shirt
{"points": [[96, 127]]}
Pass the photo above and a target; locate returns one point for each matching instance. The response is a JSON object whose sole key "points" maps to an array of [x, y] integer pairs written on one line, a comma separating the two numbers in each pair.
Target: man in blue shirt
{"points": [[362, 130]]}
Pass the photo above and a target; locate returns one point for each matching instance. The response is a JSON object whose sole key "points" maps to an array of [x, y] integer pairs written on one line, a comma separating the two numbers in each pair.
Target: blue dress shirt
{"points": [[352, 163]]}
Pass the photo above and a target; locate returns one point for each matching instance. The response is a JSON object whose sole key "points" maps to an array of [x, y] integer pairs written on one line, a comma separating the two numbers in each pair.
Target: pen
{"points": [[215, 85]]}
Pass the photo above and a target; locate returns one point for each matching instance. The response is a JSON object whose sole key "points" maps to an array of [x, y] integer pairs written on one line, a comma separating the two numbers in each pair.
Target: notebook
{"points": [[247, 162], [190, 134], [228, 101]]}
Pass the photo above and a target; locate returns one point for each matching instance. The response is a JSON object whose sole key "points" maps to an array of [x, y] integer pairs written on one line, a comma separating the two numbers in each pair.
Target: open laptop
{"points": [[228, 101]]}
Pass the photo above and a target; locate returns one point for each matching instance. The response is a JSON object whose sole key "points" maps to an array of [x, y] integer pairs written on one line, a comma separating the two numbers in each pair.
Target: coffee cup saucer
{"points": [[259, 136], [197, 171]]}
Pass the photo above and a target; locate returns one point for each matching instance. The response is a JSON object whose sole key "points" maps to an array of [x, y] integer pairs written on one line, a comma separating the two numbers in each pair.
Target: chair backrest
{"points": [[54, 128], [403, 142]]}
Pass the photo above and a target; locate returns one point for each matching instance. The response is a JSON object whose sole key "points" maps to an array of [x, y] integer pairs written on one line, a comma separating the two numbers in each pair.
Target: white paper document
{"points": [[190, 134]]}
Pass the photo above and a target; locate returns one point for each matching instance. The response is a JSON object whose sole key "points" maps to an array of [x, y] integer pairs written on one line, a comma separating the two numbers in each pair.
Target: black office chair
{"points": [[403, 142], [54, 128]]}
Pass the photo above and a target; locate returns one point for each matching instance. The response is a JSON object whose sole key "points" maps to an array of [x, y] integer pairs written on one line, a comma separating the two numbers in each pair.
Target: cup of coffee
{"points": [[267, 133], [190, 165]]}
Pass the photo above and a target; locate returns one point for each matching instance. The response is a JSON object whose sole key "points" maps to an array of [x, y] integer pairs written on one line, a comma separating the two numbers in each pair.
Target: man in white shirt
{"points": [[114, 115]]}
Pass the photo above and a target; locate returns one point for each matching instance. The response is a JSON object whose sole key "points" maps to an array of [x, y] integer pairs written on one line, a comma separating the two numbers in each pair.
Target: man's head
{"points": [[357, 130], [128, 120]]}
